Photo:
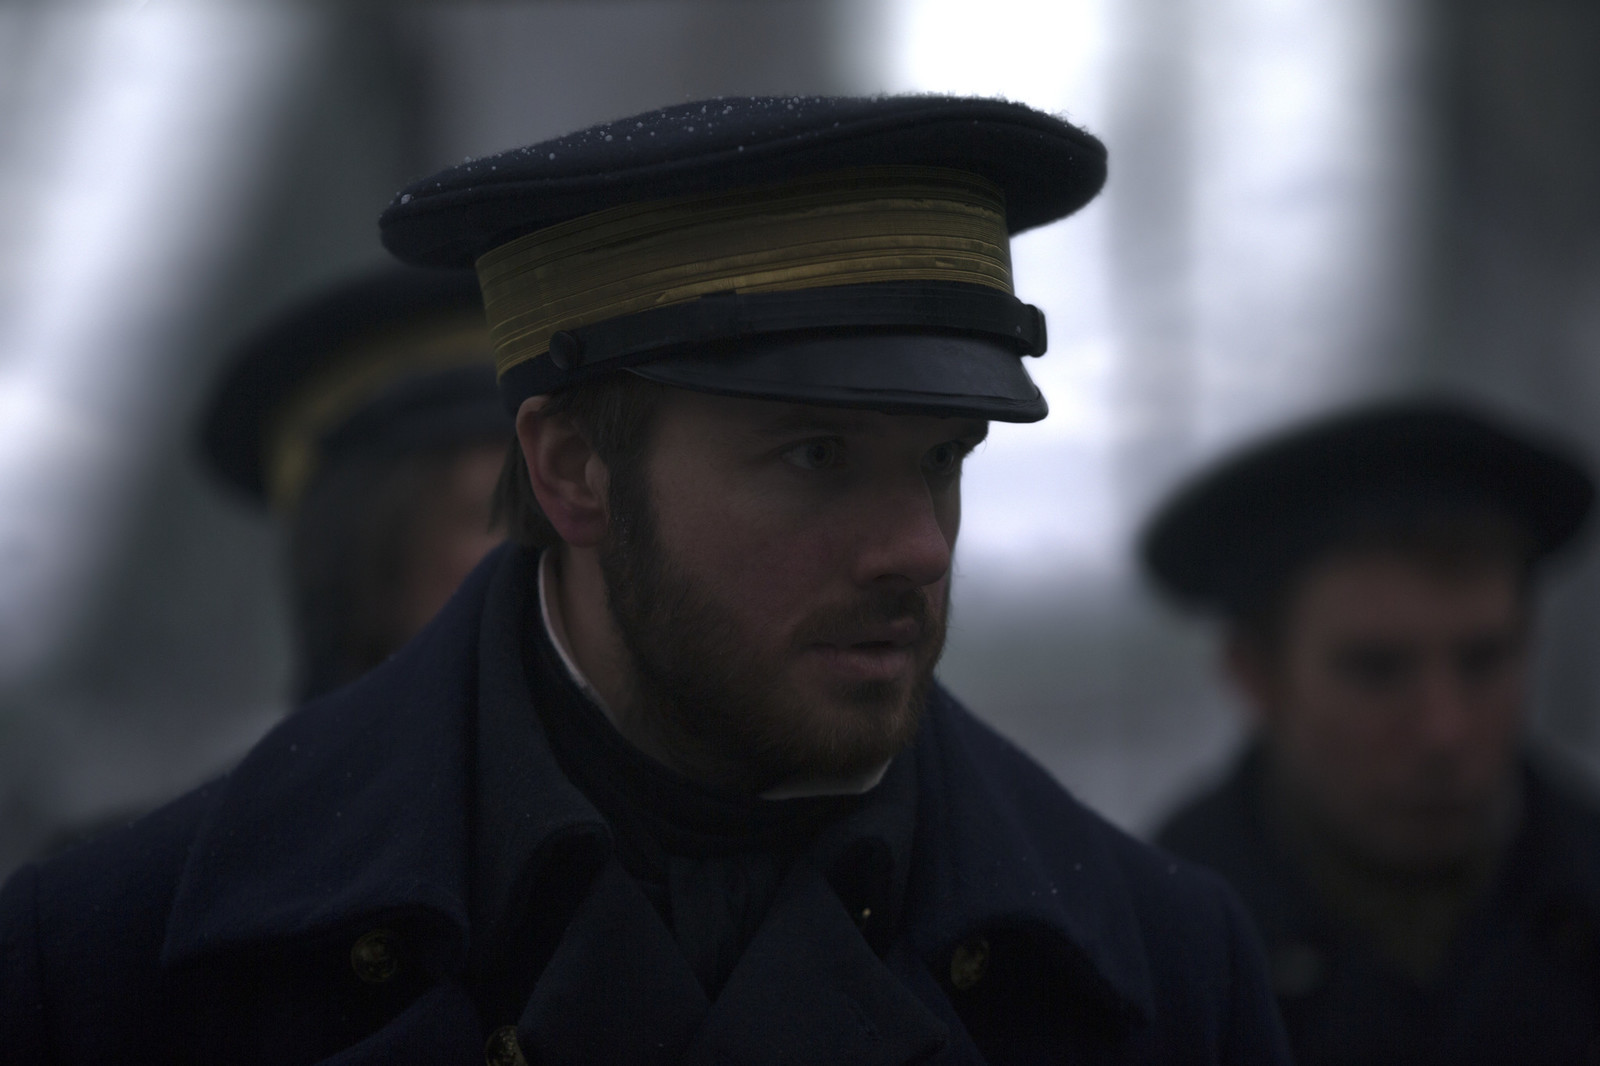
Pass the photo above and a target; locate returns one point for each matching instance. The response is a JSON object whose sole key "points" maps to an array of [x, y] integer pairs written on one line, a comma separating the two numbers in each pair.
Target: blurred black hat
{"points": [[1241, 529], [390, 362], [865, 242]]}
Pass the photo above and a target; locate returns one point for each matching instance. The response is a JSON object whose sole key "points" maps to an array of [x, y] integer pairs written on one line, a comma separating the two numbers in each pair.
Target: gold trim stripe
{"points": [[848, 227], [353, 378]]}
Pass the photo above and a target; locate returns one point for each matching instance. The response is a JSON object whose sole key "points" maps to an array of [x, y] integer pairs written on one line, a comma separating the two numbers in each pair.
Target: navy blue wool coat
{"points": [[314, 906]]}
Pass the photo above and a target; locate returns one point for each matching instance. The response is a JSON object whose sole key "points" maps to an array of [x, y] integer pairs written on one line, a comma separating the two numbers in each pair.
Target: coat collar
{"points": [[355, 806], [1001, 846], [523, 802], [358, 806]]}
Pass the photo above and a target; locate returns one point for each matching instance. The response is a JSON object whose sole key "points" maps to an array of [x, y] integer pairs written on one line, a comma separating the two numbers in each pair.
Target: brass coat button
{"points": [[375, 957], [502, 1048], [969, 962]]}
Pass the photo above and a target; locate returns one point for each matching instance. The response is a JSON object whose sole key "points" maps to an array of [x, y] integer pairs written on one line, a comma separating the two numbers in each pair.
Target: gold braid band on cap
{"points": [[355, 377], [851, 227]]}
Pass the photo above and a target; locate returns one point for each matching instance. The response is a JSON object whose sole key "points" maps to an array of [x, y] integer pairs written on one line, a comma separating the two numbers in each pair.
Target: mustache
{"points": [[870, 618]]}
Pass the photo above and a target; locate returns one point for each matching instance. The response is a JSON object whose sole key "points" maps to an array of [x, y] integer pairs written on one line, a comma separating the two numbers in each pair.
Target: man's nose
{"points": [[902, 543], [1444, 708]]}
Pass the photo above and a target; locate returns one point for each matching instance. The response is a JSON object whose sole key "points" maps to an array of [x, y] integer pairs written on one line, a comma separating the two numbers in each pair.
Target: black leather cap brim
{"points": [[931, 374]]}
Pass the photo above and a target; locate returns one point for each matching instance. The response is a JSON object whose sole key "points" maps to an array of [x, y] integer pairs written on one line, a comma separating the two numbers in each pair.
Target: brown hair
{"points": [[614, 413]]}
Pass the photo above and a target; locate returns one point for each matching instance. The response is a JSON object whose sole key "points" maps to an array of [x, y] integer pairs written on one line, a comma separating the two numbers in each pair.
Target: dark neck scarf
{"points": [[710, 862]]}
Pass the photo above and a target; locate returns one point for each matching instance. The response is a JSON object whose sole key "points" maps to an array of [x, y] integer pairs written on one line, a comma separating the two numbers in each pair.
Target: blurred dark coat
{"points": [[1521, 982], [314, 906]]}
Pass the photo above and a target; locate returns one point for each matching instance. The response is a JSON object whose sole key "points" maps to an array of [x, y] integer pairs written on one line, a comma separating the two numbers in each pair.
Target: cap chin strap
{"points": [[947, 307]]}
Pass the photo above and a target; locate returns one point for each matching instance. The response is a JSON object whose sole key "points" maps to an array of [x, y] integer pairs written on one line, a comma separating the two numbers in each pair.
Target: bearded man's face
{"points": [[780, 574]]}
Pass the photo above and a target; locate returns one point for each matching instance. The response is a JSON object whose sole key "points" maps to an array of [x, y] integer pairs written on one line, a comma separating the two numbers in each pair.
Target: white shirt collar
{"points": [[800, 788], [557, 634]]}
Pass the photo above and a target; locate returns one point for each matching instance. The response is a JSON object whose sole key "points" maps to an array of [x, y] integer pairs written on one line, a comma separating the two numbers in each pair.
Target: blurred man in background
{"points": [[1427, 892], [366, 418]]}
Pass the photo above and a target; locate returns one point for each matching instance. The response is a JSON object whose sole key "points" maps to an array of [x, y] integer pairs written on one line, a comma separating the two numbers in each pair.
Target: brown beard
{"points": [[706, 691]]}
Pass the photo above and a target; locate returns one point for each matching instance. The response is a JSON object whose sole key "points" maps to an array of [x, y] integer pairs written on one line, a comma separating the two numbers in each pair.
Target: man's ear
{"points": [[1253, 669], [568, 478]]}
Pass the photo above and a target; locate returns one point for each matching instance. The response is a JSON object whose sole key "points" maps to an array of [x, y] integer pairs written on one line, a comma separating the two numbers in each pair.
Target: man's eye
{"points": [[1482, 660], [1375, 668], [945, 459], [815, 455]]}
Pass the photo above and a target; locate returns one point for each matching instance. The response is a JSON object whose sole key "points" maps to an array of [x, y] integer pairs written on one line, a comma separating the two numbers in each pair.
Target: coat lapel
{"points": [[820, 993], [617, 988], [999, 847], [349, 817], [355, 805]]}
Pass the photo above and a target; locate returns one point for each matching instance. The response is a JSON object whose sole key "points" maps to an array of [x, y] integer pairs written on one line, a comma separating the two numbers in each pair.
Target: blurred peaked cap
{"points": [[1046, 167], [1250, 521], [764, 247], [389, 362]]}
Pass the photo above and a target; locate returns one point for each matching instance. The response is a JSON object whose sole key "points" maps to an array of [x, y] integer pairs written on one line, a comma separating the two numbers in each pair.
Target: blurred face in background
{"points": [[452, 534], [1391, 702], [377, 545]]}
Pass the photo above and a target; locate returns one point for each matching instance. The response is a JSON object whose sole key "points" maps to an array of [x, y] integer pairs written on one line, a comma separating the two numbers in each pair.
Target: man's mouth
{"points": [[865, 662], [877, 652], [897, 633]]}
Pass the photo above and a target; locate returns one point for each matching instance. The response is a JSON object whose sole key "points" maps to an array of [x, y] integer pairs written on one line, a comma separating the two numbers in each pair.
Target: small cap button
{"points": [[969, 962], [375, 957], [502, 1048], [566, 350]]}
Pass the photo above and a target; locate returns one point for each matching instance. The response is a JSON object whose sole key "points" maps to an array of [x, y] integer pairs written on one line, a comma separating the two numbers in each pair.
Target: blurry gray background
{"points": [[1311, 202]]}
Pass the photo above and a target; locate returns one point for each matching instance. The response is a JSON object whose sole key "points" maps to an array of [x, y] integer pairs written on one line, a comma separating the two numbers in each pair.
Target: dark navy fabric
{"points": [[1047, 168], [1522, 980], [710, 863], [221, 928]]}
